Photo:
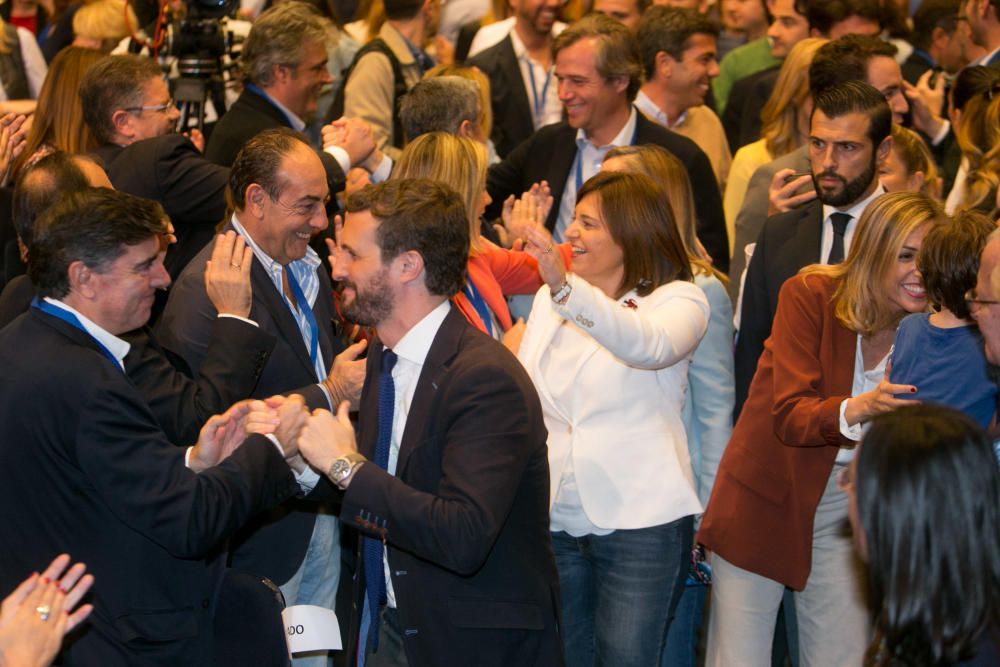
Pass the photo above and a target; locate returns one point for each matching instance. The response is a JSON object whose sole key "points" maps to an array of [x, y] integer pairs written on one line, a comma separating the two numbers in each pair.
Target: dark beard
{"points": [[851, 191], [371, 307]]}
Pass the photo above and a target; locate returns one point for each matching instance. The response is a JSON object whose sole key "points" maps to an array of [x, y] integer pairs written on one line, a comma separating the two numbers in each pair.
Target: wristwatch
{"points": [[561, 295], [341, 469]]}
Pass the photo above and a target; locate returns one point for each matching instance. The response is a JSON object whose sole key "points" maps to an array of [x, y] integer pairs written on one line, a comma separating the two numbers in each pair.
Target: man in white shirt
{"points": [[679, 58], [450, 488]]}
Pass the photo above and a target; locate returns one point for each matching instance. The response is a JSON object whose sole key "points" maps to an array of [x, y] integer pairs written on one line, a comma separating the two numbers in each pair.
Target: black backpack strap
{"points": [[377, 45]]}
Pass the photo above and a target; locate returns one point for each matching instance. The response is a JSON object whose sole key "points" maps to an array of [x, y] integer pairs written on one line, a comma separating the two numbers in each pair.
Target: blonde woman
{"points": [[910, 166], [975, 112], [785, 127], [776, 514]]}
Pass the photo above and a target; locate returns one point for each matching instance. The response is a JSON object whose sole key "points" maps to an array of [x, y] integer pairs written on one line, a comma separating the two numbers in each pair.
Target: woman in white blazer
{"points": [[608, 346]]}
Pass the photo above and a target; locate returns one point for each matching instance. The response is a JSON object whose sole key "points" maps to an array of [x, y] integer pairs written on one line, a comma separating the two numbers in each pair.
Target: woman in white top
{"points": [[608, 346]]}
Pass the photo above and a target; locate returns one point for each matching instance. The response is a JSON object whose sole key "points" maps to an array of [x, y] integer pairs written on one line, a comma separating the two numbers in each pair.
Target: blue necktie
{"points": [[373, 549]]}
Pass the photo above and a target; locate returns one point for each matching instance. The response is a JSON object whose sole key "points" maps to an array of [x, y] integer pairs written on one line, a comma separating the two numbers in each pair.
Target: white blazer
{"points": [[625, 434]]}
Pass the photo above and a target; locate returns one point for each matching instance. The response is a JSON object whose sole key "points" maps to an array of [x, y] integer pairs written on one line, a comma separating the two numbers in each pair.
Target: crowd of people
{"points": [[592, 333]]}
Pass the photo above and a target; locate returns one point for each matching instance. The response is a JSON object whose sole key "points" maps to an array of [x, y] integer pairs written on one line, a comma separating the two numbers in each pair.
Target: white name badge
{"points": [[311, 628]]}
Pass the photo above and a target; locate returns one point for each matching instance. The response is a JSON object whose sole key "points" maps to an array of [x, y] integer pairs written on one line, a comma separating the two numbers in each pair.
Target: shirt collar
{"points": [[311, 259], [646, 105], [297, 123], [416, 343], [519, 51], [856, 210], [623, 138], [115, 345]]}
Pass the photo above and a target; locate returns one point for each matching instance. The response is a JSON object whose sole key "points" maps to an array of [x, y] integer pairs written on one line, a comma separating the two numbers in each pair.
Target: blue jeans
{"points": [[618, 592], [681, 649]]}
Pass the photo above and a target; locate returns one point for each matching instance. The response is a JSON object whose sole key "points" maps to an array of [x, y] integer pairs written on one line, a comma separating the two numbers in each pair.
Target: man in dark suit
{"points": [[522, 88], [849, 139], [87, 470], [936, 41], [284, 68], [278, 188], [452, 475], [600, 115], [128, 108]]}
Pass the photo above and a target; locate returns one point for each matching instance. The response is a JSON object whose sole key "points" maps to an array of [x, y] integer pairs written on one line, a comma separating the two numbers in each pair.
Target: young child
{"points": [[941, 353]]}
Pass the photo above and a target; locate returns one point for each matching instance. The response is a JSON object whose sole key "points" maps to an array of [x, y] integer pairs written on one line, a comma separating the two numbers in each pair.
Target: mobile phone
{"points": [[800, 174]]}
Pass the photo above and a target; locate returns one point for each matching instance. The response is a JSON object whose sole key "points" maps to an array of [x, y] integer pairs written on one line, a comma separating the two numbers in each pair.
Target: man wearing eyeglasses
{"points": [[127, 105], [279, 190]]}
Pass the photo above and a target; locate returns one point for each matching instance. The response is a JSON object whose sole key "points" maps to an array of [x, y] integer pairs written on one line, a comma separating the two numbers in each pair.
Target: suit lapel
{"points": [[809, 233], [515, 84], [548, 325], [273, 302], [563, 153]]}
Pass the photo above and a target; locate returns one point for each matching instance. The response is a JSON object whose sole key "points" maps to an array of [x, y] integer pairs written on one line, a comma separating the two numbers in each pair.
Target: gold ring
{"points": [[548, 250]]}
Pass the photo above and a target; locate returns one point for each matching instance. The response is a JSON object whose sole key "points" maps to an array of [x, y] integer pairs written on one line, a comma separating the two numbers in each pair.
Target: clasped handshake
{"points": [[316, 438]]}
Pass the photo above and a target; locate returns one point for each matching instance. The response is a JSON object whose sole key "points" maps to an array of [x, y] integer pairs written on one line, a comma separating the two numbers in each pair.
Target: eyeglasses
{"points": [[972, 300], [158, 108]]}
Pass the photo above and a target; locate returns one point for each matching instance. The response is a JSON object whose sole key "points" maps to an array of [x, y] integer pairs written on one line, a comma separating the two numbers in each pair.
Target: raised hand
{"points": [[227, 275], [347, 374], [220, 436], [781, 195], [539, 244]]}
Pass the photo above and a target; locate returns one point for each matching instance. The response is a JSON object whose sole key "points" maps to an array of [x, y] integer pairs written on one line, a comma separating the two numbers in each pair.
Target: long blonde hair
{"points": [[915, 155], [669, 174], [859, 301], [457, 162], [780, 115], [978, 136]]}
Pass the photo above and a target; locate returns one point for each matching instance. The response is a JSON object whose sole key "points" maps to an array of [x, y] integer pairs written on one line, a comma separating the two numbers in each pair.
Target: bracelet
{"points": [[561, 296]]}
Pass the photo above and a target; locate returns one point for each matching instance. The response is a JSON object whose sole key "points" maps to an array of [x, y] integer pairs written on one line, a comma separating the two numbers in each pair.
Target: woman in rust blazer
{"points": [[776, 516]]}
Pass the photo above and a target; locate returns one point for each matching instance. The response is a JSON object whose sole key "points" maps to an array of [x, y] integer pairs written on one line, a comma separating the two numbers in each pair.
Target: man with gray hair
{"points": [[442, 104], [284, 69]]}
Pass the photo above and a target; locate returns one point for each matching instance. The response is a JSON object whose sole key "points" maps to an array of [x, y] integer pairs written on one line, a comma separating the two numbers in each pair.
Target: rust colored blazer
{"points": [[496, 272], [782, 451]]}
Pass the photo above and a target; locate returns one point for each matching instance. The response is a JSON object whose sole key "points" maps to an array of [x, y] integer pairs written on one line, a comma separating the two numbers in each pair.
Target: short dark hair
{"points": [[825, 14], [400, 10], [439, 104], [113, 83], [641, 222], [928, 496], [933, 14], [93, 226], [39, 186], [422, 215], [259, 161], [972, 82], [669, 29], [949, 259], [617, 54], [845, 59], [857, 97]]}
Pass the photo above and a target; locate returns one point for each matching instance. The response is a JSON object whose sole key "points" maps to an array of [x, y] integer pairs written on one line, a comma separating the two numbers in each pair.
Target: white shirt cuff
{"points": [[187, 458], [341, 156], [241, 319], [850, 432], [307, 478], [383, 170], [942, 133]]}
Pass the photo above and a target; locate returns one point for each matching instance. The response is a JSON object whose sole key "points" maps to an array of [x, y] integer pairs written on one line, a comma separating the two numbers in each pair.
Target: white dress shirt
{"points": [[855, 212], [539, 84], [115, 345], [863, 381], [411, 351]]}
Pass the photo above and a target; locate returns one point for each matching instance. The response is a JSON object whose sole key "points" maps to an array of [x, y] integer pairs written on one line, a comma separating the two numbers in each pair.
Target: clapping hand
{"points": [[535, 206], [539, 244], [38, 613], [220, 436], [227, 275]]}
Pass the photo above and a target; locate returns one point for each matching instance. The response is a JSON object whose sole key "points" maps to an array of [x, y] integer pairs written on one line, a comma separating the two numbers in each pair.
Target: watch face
{"points": [[340, 469]]}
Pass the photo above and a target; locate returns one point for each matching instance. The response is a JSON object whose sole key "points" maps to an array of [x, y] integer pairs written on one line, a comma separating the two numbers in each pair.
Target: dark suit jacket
{"points": [[250, 115], [86, 470], [170, 170], [914, 67], [272, 545], [466, 517], [548, 155], [787, 242], [748, 97], [512, 122], [15, 299], [781, 454]]}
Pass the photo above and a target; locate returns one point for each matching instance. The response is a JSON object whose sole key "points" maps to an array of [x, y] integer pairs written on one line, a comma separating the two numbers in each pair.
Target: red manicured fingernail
{"points": [[913, 390]]}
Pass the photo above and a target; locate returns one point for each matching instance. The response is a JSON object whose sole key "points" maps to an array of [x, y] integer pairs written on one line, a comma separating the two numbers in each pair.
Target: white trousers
{"points": [[833, 622]]}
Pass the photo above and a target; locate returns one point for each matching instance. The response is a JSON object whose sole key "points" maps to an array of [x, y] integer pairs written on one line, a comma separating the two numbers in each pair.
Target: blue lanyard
{"points": [[72, 319], [300, 299], [253, 88], [579, 157], [538, 101], [479, 303]]}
